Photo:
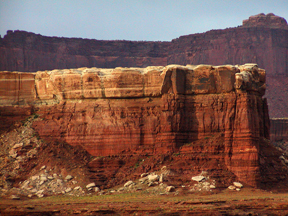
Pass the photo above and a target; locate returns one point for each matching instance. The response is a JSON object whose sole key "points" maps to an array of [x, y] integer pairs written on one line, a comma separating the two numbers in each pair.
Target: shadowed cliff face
{"points": [[262, 39], [153, 110], [24, 51], [279, 129]]}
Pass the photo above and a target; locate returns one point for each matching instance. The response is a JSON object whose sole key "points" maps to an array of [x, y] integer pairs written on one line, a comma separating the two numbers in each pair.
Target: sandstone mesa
{"points": [[153, 110]]}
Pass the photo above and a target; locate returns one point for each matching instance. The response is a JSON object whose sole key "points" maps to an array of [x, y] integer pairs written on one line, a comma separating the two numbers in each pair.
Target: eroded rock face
{"points": [[261, 39], [151, 110]]}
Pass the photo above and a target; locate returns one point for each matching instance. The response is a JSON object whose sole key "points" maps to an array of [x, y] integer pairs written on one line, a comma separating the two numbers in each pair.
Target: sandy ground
{"points": [[245, 202]]}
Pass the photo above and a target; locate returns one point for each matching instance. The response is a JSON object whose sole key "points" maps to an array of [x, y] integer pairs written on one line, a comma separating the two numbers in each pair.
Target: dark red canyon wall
{"points": [[279, 129], [24, 51], [262, 39]]}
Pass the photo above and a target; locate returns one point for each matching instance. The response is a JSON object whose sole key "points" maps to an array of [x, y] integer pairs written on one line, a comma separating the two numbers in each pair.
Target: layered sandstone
{"points": [[153, 110], [279, 129], [261, 39]]}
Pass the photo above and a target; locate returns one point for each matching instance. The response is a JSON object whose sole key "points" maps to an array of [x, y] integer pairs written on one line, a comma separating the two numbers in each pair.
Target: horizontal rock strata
{"points": [[262, 39], [149, 110]]}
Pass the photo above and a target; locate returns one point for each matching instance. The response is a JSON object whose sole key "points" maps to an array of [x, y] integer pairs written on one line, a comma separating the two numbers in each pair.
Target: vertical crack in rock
{"points": [[102, 84]]}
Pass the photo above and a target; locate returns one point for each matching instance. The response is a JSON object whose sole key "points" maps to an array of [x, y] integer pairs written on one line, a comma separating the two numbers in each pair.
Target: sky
{"points": [[147, 20]]}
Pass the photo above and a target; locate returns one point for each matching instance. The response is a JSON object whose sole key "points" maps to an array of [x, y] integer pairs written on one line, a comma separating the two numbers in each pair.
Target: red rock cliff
{"points": [[149, 110], [262, 39]]}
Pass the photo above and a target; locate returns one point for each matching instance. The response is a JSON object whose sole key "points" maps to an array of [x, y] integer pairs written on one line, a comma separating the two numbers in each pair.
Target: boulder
{"points": [[34, 190], [231, 187], [91, 185], [129, 183], [68, 177], [198, 178], [14, 197], [43, 178], [40, 191], [161, 178], [68, 190], [153, 177], [121, 189], [150, 184], [59, 181], [25, 184], [143, 180], [237, 184], [33, 178], [284, 159], [40, 195], [13, 153], [170, 189], [17, 145], [144, 174], [96, 189]]}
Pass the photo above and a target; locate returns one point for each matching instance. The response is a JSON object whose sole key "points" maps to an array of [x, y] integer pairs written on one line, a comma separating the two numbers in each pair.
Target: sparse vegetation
{"points": [[35, 116], [138, 163], [35, 134]]}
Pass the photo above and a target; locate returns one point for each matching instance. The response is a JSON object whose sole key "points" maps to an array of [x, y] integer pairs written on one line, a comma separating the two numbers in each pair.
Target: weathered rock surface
{"points": [[269, 20], [261, 39], [153, 110]]}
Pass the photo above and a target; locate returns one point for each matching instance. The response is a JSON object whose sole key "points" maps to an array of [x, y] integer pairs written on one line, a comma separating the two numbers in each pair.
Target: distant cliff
{"points": [[25, 51], [279, 129], [262, 39]]}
